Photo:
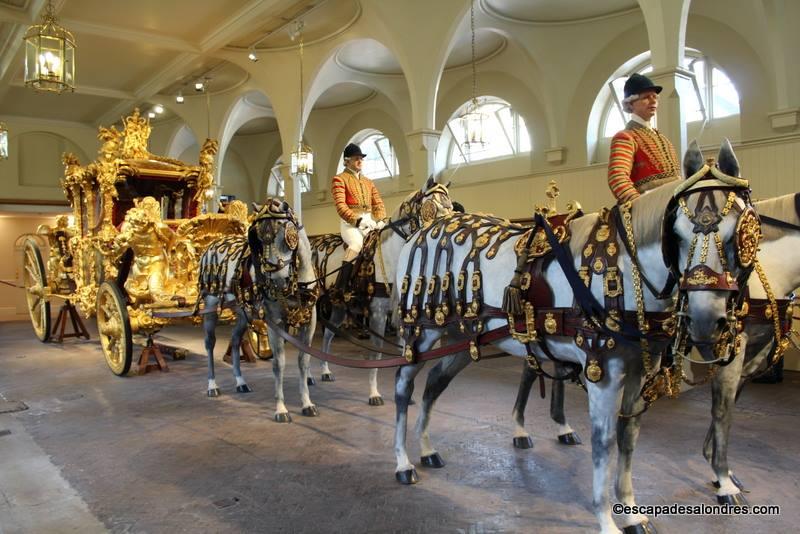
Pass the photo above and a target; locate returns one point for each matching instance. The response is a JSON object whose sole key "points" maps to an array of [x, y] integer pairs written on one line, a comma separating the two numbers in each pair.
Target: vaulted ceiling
{"points": [[129, 52]]}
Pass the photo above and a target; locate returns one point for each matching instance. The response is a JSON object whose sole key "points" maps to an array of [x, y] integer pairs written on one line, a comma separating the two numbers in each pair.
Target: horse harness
{"points": [[296, 298]]}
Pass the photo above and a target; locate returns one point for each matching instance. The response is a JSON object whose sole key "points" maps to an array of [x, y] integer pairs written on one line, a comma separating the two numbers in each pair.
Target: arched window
{"points": [[714, 94], [505, 133], [381, 160], [275, 185]]}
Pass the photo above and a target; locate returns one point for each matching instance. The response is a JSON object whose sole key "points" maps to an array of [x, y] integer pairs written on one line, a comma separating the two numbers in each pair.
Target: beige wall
{"points": [[13, 230]]}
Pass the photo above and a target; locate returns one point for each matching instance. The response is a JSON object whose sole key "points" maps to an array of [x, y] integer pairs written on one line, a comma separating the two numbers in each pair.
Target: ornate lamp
{"points": [[473, 118], [49, 55], [302, 161], [3, 141]]}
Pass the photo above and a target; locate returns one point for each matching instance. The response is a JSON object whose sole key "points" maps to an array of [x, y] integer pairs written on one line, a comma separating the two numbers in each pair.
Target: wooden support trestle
{"points": [[144, 360], [78, 328]]}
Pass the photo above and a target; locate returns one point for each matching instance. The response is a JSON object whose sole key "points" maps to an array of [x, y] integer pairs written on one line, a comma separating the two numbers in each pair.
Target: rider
{"points": [[641, 157], [359, 205]]}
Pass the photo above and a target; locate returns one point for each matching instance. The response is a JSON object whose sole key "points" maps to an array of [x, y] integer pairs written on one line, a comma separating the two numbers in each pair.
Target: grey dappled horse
{"points": [[416, 210], [267, 272], [619, 388], [783, 276]]}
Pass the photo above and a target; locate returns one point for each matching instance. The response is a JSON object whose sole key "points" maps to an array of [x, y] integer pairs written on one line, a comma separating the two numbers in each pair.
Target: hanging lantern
{"points": [[49, 55], [473, 118], [472, 123], [3, 141], [302, 160]]}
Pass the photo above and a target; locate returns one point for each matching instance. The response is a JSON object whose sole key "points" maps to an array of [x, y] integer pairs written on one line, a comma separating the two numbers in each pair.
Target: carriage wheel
{"points": [[114, 328], [35, 280]]}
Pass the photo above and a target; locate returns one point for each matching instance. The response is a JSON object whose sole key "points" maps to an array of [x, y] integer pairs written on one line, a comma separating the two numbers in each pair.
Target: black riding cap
{"points": [[353, 150], [638, 84]]}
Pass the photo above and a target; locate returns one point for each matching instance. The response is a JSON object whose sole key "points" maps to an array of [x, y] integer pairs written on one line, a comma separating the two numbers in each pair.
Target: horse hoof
{"points": [[570, 438], [328, 377], [409, 476], [310, 411], [310, 381], [641, 528], [244, 388], [283, 417], [523, 442], [376, 401], [735, 499], [214, 392], [433, 460], [734, 479]]}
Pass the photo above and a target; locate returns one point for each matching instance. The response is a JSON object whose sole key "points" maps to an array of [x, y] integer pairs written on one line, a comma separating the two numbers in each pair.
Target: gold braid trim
{"points": [[781, 342]]}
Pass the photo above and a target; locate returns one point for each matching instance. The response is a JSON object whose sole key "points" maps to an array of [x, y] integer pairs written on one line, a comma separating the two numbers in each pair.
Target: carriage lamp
{"points": [[49, 55], [3, 141]]}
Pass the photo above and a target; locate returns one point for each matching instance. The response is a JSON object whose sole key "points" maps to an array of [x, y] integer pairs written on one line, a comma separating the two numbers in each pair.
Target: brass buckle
{"points": [[612, 286]]}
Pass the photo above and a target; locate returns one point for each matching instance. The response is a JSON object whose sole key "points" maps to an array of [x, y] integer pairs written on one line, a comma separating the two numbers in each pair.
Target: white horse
{"points": [[780, 222], [269, 275], [620, 384], [417, 210]]}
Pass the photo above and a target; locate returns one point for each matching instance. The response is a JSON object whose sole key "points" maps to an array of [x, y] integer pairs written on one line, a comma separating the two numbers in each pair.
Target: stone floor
{"points": [[96, 452]]}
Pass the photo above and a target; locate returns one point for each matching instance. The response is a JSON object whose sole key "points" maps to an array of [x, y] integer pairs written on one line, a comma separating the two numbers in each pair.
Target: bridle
{"points": [[262, 237], [419, 211], [696, 274]]}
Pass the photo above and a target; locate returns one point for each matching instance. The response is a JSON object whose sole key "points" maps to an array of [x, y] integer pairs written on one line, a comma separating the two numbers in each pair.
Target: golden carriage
{"points": [[129, 252]]}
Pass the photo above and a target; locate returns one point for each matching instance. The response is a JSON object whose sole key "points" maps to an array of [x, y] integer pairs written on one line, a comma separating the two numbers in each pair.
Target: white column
{"points": [[421, 151]]}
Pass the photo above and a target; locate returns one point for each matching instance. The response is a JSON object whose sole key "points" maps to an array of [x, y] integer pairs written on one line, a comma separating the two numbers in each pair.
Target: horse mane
{"points": [[782, 208], [647, 212]]}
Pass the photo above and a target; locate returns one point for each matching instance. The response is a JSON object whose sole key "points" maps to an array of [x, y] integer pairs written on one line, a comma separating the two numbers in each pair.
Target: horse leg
{"points": [[628, 425], [723, 394], [438, 380], [566, 436], [304, 364], [604, 401], [522, 440], [377, 323], [239, 328], [337, 318], [278, 364], [209, 327], [403, 388]]}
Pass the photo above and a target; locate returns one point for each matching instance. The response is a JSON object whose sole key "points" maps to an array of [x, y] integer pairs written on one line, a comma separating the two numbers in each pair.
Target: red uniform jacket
{"points": [[352, 195], [639, 155]]}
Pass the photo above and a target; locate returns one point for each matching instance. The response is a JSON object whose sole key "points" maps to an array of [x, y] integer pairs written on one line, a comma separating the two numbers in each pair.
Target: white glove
{"points": [[365, 225], [379, 225]]}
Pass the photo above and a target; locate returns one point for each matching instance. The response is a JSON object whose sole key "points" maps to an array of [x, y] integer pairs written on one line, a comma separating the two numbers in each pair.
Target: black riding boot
{"points": [[344, 277]]}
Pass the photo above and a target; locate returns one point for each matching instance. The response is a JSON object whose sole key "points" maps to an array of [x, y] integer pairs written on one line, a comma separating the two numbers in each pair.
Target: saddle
{"points": [[362, 286]]}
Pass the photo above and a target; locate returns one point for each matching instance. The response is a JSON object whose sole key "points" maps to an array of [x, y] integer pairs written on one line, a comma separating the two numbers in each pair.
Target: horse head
{"points": [[711, 236], [422, 207], [273, 238]]}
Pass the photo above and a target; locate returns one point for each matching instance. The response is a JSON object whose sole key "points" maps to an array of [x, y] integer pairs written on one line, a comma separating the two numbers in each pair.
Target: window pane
{"points": [[614, 122], [505, 133], [726, 99]]}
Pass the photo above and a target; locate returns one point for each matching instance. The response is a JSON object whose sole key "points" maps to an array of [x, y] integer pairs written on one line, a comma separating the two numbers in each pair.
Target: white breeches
{"points": [[353, 237]]}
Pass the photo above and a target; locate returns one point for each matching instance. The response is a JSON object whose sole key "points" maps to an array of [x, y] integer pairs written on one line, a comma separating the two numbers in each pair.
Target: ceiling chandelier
{"points": [[302, 163], [49, 55], [473, 117], [3, 141]]}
